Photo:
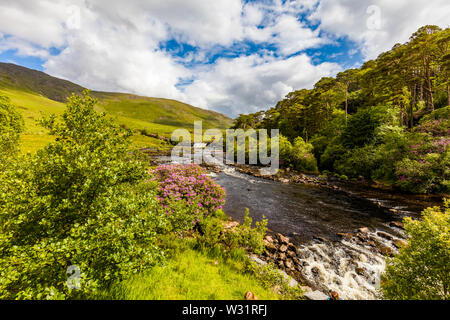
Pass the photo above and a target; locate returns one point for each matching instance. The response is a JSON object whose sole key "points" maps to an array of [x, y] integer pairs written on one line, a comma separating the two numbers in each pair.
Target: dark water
{"points": [[305, 211]]}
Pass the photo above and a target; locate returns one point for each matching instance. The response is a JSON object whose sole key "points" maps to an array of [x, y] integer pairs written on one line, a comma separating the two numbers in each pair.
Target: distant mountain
{"points": [[14, 76], [132, 110]]}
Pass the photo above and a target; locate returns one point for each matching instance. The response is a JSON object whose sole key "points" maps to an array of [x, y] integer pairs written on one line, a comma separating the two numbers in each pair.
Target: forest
{"points": [[387, 121]]}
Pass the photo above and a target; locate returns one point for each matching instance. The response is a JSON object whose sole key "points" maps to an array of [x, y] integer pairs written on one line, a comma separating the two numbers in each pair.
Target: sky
{"points": [[230, 56]]}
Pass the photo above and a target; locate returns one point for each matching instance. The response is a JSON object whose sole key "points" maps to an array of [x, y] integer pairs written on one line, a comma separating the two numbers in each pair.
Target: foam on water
{"points": [[351, 269]]}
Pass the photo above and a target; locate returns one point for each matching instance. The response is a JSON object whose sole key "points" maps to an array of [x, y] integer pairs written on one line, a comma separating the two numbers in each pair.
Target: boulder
{"points": [[250, 296], [364, 230], [258, 260], [362, 236], [344, 235], [270, 246], [315, 270], [315, 295], [283, 239], [396, 224], [290, 254], [386, 251], [322, 239], [231, 225], [283, 248], [288, 264], [385, 235], [400, 243]]}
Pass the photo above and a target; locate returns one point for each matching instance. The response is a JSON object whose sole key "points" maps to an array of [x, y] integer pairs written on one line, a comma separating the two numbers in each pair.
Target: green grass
{"points": [[192, 275], [33, 107], [159, 111]]}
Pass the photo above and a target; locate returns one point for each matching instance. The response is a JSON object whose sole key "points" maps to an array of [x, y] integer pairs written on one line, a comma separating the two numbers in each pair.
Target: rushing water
{"points": [[309, 215]]}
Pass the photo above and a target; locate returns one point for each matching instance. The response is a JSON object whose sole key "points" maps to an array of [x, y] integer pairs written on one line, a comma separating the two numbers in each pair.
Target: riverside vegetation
{"points": [[88, 200], [388, 121]]}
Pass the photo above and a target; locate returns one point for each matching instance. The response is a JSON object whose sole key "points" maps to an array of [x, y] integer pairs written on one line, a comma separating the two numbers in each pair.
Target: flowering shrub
{"points": [[188, 183], [429, 174]]}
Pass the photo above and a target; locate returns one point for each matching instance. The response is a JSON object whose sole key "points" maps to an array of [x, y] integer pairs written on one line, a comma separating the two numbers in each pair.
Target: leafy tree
{"points": [[302, 156], [11, 125], [285, 149], [344, 80], [422, 268], [81, 201], [361, 127]]}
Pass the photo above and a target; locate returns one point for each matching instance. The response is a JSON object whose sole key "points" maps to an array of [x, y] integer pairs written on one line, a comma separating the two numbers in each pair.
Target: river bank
{"points": [[340, 236]]}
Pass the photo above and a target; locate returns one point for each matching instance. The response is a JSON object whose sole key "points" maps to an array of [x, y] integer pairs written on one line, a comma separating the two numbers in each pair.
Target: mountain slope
{"points": [[37, 94], [18, 77]]}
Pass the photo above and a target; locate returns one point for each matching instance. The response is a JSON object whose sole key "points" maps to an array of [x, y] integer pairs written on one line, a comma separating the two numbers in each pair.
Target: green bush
{"points": [[422, 270], [243, 236], [11, 125], [302, 156], [442, 113], [361, 128], [334, 152], [80, 201], [285, 150], [429, 174], [356, 162], [271, 277]]}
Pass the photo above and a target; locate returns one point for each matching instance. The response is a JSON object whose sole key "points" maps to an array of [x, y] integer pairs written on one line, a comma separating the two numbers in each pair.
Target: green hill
{"points": [[36, 94]]}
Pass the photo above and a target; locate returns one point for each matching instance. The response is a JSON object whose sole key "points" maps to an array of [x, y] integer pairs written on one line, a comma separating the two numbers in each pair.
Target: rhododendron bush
{"points": [[189, 184]]}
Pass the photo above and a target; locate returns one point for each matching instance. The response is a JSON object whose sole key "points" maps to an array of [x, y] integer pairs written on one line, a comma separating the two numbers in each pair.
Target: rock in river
{"points": [[315, 295]]}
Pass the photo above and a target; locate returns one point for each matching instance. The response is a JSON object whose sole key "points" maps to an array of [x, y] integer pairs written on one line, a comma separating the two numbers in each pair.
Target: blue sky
{"points": [[232, 56]]}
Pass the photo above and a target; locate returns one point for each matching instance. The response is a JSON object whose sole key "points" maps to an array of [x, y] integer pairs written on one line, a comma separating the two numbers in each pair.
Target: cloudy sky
{"points": [[232, 56]]}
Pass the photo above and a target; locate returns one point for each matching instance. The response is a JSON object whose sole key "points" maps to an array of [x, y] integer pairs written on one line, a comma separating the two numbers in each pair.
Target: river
{"points": [[312, 217]]}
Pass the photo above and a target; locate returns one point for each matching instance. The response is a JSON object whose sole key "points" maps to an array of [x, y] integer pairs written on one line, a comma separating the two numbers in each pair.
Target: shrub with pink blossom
{"points": [[189, 184]]}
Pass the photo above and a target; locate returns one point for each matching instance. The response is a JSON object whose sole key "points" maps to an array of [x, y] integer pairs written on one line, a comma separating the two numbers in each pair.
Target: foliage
{"points": [[361, 128], [243, 236], [431, 173], [422, 270], [11, 125], [361, 122], [443, 113], [190, 274], [80, 201], [285, 150], [302, 156], [270, 276]]}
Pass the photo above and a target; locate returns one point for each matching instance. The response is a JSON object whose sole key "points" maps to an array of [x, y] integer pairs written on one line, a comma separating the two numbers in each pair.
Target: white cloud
{"points": [[358, 19], [248, 84], [115, 46], [23, 48]]}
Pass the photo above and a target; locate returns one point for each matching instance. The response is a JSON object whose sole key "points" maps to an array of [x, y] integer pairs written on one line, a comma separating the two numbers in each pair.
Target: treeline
{"points": [[388, 120]]}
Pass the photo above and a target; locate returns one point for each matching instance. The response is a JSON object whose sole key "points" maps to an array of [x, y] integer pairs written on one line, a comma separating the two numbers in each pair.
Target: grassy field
{"points": [[192, 275], [143, 113], [37, 94]]}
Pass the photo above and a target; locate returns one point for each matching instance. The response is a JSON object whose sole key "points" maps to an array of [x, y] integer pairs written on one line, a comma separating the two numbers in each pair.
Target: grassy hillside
{"points": [[37, 94]]}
